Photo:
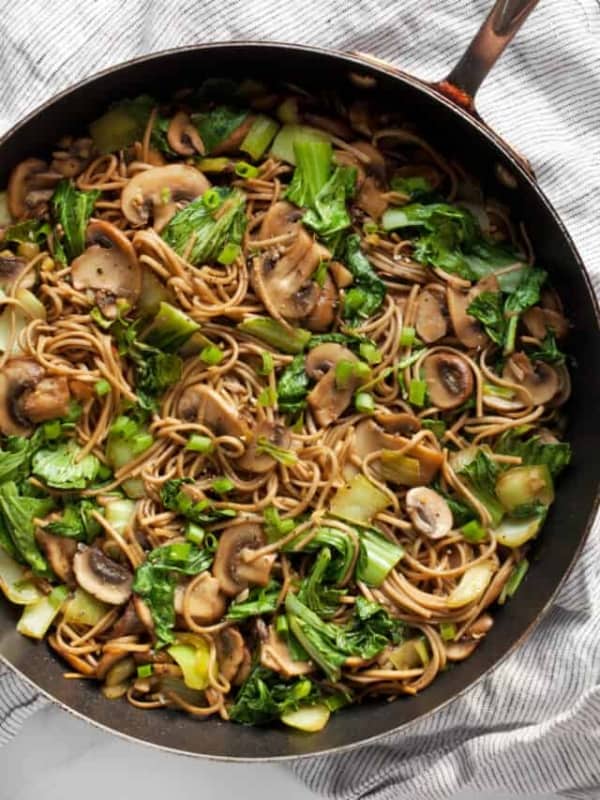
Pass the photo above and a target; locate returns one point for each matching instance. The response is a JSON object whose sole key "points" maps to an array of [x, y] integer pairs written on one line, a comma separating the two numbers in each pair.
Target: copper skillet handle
{"points": [[486, 47]]}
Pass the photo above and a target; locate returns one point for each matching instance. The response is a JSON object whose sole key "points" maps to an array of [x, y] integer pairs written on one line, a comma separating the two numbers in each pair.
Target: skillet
{"points": [[447, 107]]}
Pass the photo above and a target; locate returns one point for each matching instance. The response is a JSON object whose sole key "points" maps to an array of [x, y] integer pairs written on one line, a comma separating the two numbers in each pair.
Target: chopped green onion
{"points": [[406, 362], [140, 442], [229, 254], [447, 631], [102, 387], [213, 164], [194, 533], [473, 531], [179, 551], [211, 355], [145, 670], [417, 390], [364, 402], [514, 581], [274, 333], [407, 336], [370, 353], [245, 170], [286, 457], [344, 372], [199, 444], [124, 426], [259, 137], [268, 397], [321, 273], [53, 429], [211, 199], [355, 299], [377, 557], [275, 527], [267, 365], [437, 426], [222, 485]]}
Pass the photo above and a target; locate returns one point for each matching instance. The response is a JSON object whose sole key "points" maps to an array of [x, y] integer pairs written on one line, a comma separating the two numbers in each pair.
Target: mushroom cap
{"points": [[541, 380], [230, 652], [258, 462], [431, 323], [231, 569], [101, 576], [539, 321], [398, 422], [183, 136], [327, 400], [199, 403], [108, 266], [429, 512], [50, 399], [206, 604], [59, 552], [467, 329], [323, 313], [23, 178], [281, 218], [160, 191], [449, 379], [274, 654], [17, 377]]}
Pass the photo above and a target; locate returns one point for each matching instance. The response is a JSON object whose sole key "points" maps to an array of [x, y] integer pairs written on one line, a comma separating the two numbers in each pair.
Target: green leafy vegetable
{"points": [[175, 498], [329, 213], [341, 547], [72, 209], [170, 328], [313, 167], [274, 333], [32, 231], [155, 372], [123, 124], [548, 351], [217, 125], [416, 187], [315, 593], [534, 451], [377, 556], [265, 696], [18, 512], [462, 513], [481, 474], [62, 468], [155, 582], [286, 457], [488, 308], [372, 629], [199, 233], [293, 387], [77, 521], [261, 600], [365, 296], [275, 527]]}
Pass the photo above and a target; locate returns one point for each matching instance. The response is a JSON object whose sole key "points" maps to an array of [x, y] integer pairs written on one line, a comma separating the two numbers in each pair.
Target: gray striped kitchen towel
{"points": [[534, 724]]}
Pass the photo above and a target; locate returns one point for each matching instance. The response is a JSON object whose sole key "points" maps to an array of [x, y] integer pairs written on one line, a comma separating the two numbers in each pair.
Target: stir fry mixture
{"points": [[280, 404]]}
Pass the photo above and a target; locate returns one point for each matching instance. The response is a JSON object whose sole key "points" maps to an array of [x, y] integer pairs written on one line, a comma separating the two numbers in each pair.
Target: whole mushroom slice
{"points": [[274, 654], [200, 403], [183, 136], [232, 567], [323, 314], [101, 576], [160, 192], [398, 422], [449, 379], [206, 603], [467, 329], [281, 219], [540, 321], [231, 652], [431, 323], [108, 267], [256, 461], [17, 377], [30, 186], [429, 512], [541, 380], [327, 400], [59, 552]]}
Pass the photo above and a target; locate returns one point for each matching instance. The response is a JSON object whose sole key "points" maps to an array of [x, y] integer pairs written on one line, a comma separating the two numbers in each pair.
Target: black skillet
{"points": [[447, 107]]}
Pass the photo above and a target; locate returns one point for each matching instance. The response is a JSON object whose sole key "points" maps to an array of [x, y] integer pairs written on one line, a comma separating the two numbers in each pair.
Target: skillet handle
{"points": [[486, 47]]}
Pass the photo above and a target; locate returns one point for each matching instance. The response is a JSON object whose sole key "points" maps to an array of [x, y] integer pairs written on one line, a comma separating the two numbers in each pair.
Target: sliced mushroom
{"points": [[17, 377], [256, 461], [59, 552], [429, 512], [30, 186], [206, 604], [342, 276], [183, 136], [107, 661], [400, 422], [369, 437], [105, 579], [449, 379], [232, 143], [161, 192], [11, 269], [233, 566], [371, 178], [481, 626], [459, 651], [230, 652], [538, 378], [280, 220], [564, 387], [539, 321], [50, 399], [199, 403], [431, 323], [275, 655], [467, 329], [323, 314], [73, 157], [327, 400], [108, 267], [128, 624]]}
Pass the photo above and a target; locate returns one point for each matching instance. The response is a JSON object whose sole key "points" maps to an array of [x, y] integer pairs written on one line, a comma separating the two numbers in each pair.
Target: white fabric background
{"points": [[534, 725]]}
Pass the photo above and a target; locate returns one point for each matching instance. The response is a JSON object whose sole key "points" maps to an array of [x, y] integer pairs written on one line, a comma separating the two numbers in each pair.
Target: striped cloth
{"points": [[534, 725]]}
